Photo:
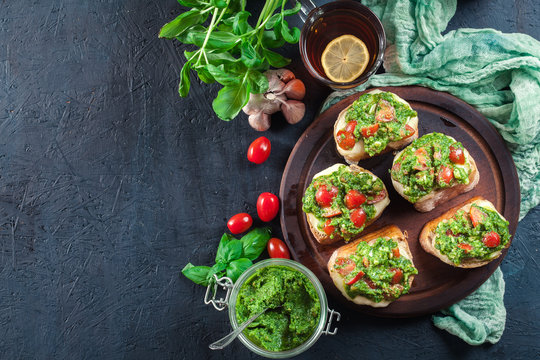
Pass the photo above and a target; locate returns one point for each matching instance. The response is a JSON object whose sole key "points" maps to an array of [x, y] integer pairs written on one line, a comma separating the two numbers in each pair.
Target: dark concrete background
{"points": [[110, 183]]}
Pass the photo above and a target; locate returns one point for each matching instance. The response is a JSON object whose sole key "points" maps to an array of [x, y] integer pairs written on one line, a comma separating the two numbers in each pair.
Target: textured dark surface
{"points": [[110, 183]]}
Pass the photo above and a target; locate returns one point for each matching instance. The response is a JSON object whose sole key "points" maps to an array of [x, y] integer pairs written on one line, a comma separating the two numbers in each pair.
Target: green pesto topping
{"points": [[294, 308], [378, 272], [459, 240], [337, 214], [425, 165], [380, 110]]}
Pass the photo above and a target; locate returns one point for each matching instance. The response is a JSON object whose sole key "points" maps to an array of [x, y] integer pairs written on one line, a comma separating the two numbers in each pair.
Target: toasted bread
{"points": [[428, 236], [429, 201], [357, 153], [391, 232], [312, 220]]}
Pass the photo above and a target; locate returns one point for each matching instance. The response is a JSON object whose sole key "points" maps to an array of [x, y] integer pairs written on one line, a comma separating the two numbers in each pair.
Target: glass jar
{"points": [[325, 319]]}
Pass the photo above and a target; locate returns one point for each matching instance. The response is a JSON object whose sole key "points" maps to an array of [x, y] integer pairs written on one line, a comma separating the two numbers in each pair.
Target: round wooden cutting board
{"points": [[437, 285]]}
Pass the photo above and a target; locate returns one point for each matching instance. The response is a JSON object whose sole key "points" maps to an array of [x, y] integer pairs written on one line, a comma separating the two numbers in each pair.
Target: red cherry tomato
{"points": [[356, 278], [277, 249], [328, 228], [324, 197], [491, 239], [358, 217], [477, 216], [465, 247], [239, 223], [345, 140], [351, 125], [409, 131], [446, 174], [398, 276], [369, 131], [259, 150], [457, 156], [346, 264], [267, 206], [395, 252], [354, 199]]}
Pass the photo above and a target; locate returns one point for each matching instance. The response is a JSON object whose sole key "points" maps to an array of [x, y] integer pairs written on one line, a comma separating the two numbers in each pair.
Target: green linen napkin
{"points": [[497, 73]]}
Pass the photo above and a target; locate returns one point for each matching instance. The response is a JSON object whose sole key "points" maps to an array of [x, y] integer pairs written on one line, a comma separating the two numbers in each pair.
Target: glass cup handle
{"points": [[307, 6], [211, 292], [331, 314]]}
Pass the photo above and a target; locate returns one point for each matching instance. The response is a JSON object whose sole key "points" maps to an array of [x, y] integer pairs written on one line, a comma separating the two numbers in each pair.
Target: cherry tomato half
{"points": [[465, 247], [446, 174], [351, 125], [267, 206], [346, 265], [409, 131], [328, 227], [477, 216], [324, 197], [259, 150], [398, 276], [369, 131], [456, 155], [277, 249], [239, 223], [354, 199], [356, 278], [358, 217], [491, 239], [345, 140]]}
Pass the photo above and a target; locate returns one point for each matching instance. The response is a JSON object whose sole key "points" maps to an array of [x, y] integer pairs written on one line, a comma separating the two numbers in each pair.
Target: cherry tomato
{"points": [[351, 125], [477, 216], [446, 174], [372, 199], [345, 140], [328, 228], [369, 131], [324, 197], [356, 278], [239, 223], [409, 131], [346, 264], [398, 276], [259, 150], [267, 206], [457, 156], [354, 199], [277, 249], [395, 252], [491, 239], [370, 283], [465, 247], [421, 155], [358, 217]]}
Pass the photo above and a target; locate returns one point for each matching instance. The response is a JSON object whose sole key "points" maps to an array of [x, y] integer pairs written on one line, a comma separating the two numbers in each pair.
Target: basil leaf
{"points": [[222, 76], [220, 57], [273, 20], [249, 55], [183, 87], [240, 24], [270, 40], [182, 22], [220, 4], [197, 274], [205, 75], [225, 239], [274, 59], [191, 3], [230, 100], [233, 250], [254, 242], [237, 267], [292, 11], [217, 270], [257, 81], [290, 35], [220, 40]]}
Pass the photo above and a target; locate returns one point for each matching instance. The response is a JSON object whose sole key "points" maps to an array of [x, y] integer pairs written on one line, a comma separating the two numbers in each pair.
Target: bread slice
{"points": [[391, 232], [357, 153], [428, 236], [429, 201], [312, 220]]}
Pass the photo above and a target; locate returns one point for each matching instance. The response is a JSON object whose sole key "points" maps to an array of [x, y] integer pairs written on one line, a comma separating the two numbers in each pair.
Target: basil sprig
{"points": [[230, 50], [233, 257]]}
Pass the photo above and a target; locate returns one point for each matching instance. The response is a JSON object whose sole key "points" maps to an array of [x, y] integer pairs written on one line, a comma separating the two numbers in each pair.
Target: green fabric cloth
{"points": [[480, 317], [497, 73]]}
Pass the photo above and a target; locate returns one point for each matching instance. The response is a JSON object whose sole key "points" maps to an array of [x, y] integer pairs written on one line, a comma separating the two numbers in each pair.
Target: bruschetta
{"points": [[467, 236], [375, 123], [433, 169], [341, 201], [375, 269]]}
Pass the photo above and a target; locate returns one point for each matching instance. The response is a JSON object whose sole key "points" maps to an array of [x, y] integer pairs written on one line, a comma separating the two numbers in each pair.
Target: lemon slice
{"points": [[345, 58]]}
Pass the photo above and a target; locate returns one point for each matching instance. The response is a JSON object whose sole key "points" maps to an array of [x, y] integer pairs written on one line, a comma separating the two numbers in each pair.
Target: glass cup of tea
{"points": [[331, 21]]}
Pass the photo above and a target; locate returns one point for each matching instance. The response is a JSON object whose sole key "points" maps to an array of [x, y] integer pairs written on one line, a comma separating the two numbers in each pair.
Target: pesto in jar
{"points": [[338, 216], [478, 234], [378, 119], [433, 161], [378, 272], [294, 308]]}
